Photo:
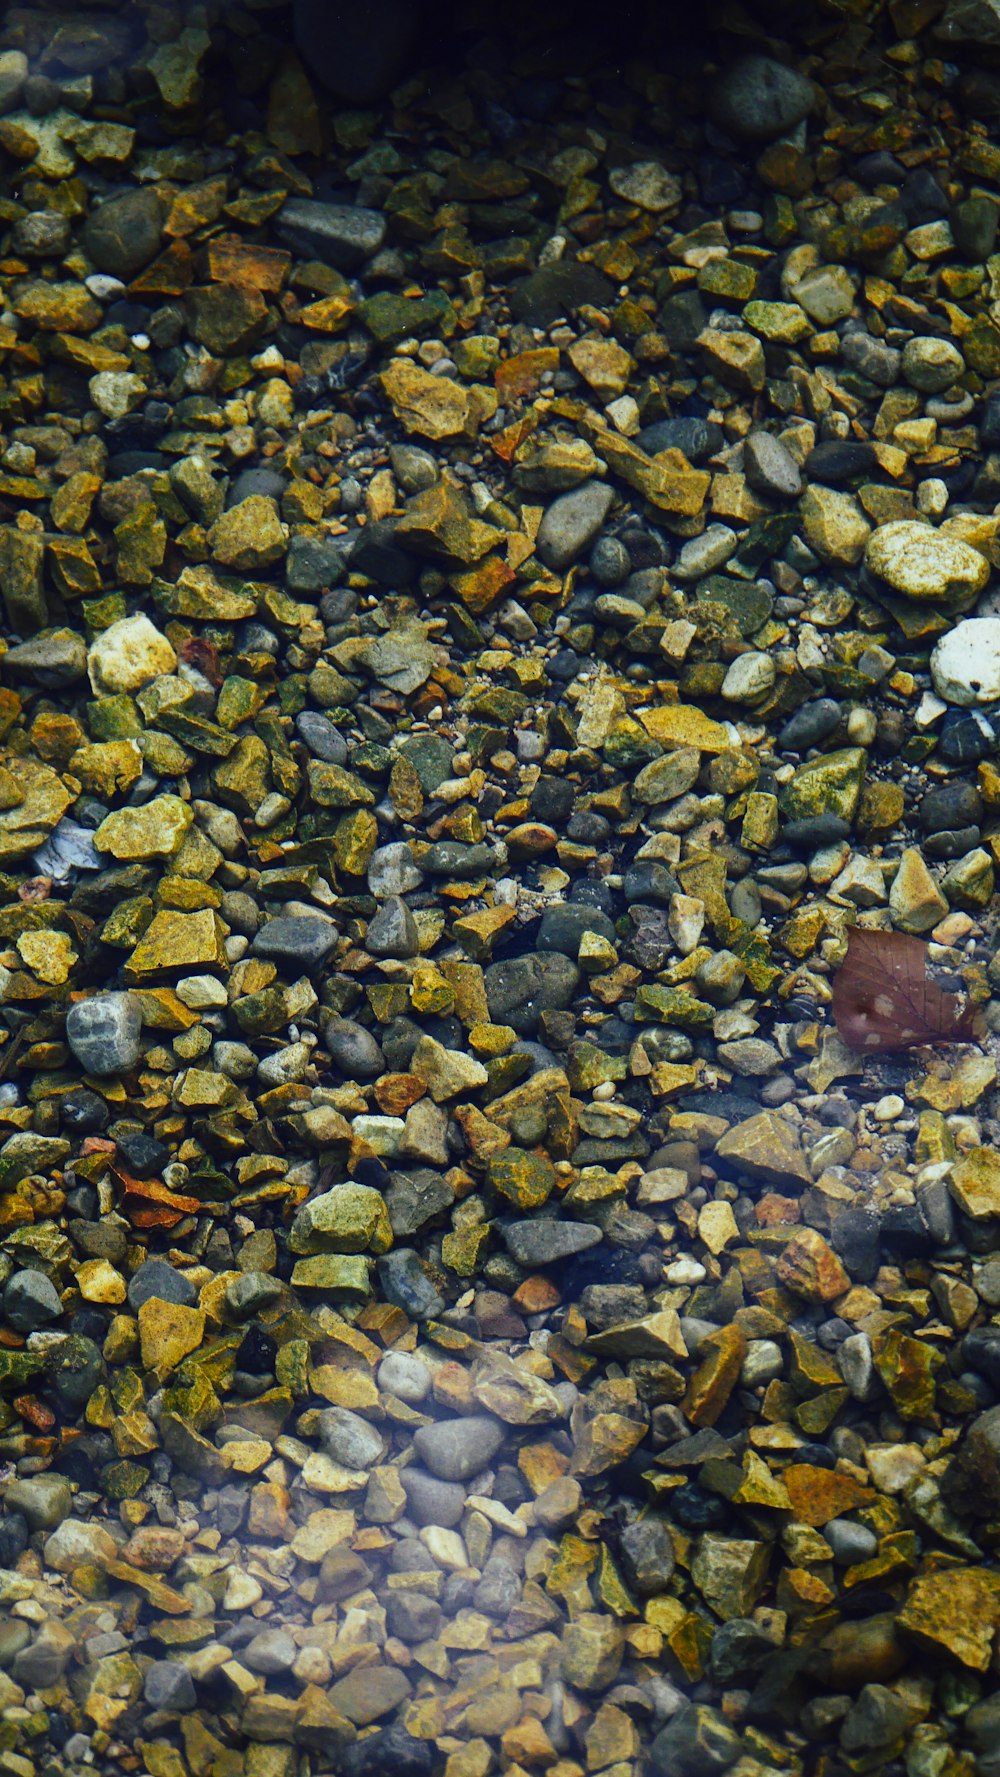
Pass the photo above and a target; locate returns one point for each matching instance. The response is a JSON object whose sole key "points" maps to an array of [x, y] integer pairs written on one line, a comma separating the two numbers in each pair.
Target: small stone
{"points": [[30, 1300], [965, 663], [954, 1613], [920, 563], [571, 524], [757, 98], [104, 1032], [249, 536], [765, 1147], [457, 1449], [810, 1267], [591, 1652], [156, 829]]}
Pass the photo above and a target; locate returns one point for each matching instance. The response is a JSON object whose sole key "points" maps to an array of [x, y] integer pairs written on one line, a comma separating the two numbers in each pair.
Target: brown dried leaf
{"points": [[884, 998], [204, 657]]}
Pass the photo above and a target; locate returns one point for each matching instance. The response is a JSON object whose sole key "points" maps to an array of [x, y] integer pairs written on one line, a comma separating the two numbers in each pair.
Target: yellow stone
{"points": [[180, 941], [108, 768], [168, 1332], [434, 406], [683, 725], [717, 1226], [154, 830], [49, 955], [98, 1281]]}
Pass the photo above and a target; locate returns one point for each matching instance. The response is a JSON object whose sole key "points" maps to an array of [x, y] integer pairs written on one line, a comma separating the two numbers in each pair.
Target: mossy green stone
{"points": [[338, 1274], [671, 1005], [238, 702], [783, 323], [349, 1219], [525, 1179], [114, 718], [831, 784]]}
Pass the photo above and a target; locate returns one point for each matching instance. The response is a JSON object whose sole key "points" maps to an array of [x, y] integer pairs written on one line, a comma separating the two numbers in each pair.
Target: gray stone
{"points": [[349, 1439], [697, 1742], [53, 659], [391, 870], [770, 467], [850, 1542], [105, 1031], [405, 1376], [157, 1280], [412, 1616], [564, 924], [319, 734], [405, 1282], [303, 941], [649, 1555], [42, 234], [123, 235], [571, 524], [457, 1449], [393, 931], [430, 1500], [545, 1241], [169, 1686], [45, 1500], [872, 358], [272, 1651], [342, 235], [520, 988], [30, 1300], [757, 98], [353, 1049], [75, 1369]]}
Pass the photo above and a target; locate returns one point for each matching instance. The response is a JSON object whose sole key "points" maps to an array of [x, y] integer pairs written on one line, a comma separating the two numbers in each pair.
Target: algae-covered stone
{"points": [[249, 536], [834, 525], [829, 784], [168, 1332], [955, 1613], [351, 1218], [179, 941], [433, 406], [974, 1183]]}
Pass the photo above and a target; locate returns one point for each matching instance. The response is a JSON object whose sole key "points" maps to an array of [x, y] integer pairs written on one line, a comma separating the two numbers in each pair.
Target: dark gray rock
{"points": [[697, 1742], [564, 924], [757, 98], [560, 289], [341, 235], [405, 1282], [649, 1555], [303, 941], [30, 1300], [157, 1280], [353, 1049], [168, 1685], [432, 1501], [545, 1241], [123, 235], [520, 988], [358, 54]]}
